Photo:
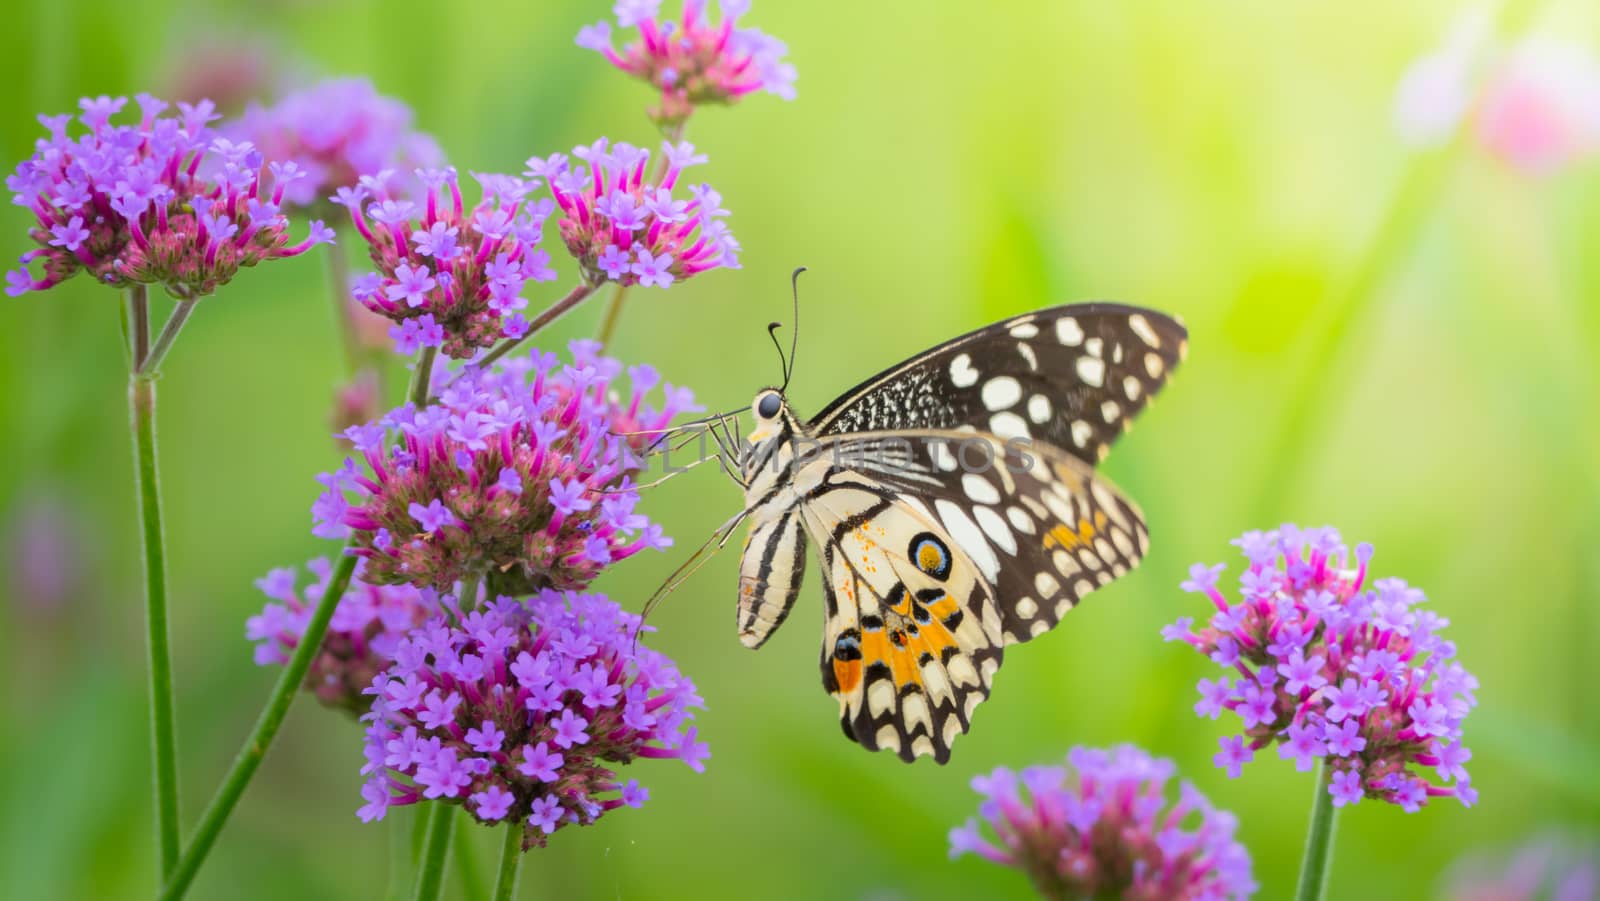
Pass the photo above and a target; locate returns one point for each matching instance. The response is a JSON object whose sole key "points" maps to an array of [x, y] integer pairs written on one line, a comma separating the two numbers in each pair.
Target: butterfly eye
{"points": [[769, 404]]}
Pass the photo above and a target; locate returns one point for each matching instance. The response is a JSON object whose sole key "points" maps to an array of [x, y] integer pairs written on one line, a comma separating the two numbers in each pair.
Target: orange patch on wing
{"points": [[848, 674]]}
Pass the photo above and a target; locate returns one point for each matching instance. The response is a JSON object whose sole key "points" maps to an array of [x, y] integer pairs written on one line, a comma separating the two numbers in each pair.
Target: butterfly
{"points": [[954, 508]]}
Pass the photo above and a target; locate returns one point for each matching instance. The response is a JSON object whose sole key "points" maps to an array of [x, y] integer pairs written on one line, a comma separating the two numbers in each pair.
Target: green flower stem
{"points": [[1319, 840], [505, 884], [169, 333], [339, 295], [555, 311], [608, 324], [422, 378], [430, 876], [266, 729], [465, 859], [163, 731], [138, 325]]}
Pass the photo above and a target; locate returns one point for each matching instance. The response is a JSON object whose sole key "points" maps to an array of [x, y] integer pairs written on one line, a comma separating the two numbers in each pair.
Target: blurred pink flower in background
{"points": [[44, 560], [1550, 868], [1534, 102]]}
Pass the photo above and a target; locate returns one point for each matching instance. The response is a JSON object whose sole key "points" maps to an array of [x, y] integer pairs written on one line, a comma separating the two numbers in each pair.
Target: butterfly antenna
{"points": [[783, 361], [794, 338]]}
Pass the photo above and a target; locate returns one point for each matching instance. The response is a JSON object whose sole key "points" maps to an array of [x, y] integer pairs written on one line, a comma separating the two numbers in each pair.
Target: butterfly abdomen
{"points": [[770, 573]]}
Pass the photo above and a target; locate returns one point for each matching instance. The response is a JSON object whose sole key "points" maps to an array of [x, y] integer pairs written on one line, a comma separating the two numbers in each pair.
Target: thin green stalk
{"points": [[551, 314], [339, 295], [138, 325], [430, 876], [608, 324], [163, 730], [466, 860], [505, 884], [1319, 840], [266, 729], [169, 334], [422, 378], [467, 591]]}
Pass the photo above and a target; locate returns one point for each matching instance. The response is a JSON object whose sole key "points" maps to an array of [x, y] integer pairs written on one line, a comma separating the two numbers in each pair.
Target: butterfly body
{"points": [[953, 507]]}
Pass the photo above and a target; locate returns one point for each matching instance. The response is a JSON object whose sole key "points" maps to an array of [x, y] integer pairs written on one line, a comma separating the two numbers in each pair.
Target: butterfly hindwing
{"points": [[1070, 376], [1040, 526], [912, 636]]}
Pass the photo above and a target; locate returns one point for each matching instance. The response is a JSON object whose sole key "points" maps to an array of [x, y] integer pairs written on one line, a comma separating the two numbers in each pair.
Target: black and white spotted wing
{"points": [[1041, 528], [1072, 376]]}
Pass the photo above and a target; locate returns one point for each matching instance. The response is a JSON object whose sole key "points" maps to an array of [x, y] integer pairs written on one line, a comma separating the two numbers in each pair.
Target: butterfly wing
{"points": [[1071, 376], [933, 568], [911, 638]]}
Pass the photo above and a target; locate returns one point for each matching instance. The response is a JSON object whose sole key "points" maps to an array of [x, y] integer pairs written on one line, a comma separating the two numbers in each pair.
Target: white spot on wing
{"points": [[1001, 393], [1027, 354], [1082, 431], [1131, 387], [1110, 411], [1094, 346], [1154, 365], [1027, 608], [969, 537], [980, 489], [1092, 370], [1141, 327], [1020, 520], [1038, 628], [1039, 409], [880, 697], [961, 671], [888, 738], [995, 528], [942, 456], [1024, 330], [961, 372], [1008, 425], [1068, 332], [1046, 585]]}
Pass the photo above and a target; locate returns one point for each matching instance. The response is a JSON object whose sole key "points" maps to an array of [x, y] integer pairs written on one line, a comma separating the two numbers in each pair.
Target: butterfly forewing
{"points": [[1071, 376]]}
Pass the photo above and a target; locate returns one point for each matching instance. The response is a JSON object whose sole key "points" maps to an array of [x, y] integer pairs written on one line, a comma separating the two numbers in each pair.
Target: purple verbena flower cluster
{"points": [[695, 60], [622, 226], [163, 202], [367, 627], [337, 131], [1101, 827], [1358, 679], [448, 276], [518, 472], [522, 712]]}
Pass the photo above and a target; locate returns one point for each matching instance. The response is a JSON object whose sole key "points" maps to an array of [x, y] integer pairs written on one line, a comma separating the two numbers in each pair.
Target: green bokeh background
{"points": [[946, 164]]}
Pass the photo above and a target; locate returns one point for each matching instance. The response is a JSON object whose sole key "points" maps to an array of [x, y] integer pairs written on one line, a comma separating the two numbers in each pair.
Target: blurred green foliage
{"points": [[945, 164]]}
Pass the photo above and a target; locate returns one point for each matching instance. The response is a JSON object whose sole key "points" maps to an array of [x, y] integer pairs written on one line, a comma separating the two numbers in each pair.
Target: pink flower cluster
{"points": [[161, 202], [367, 627], [523, 712], [336, 131], [448, 276], [518, 472], [1360, 680], [695, 60], [622, 226]]}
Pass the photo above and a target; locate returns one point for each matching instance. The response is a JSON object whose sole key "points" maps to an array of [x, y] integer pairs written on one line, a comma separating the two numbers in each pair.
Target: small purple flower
{"points": [[1328, 670], [1346, 787], [448, 723], [1234, 755], [522, 471], [1103, 827]]}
